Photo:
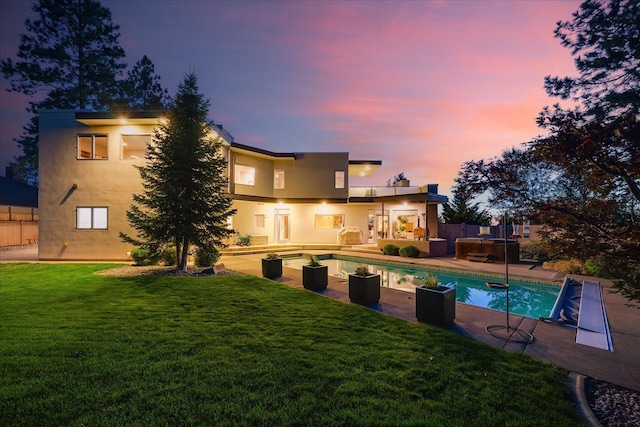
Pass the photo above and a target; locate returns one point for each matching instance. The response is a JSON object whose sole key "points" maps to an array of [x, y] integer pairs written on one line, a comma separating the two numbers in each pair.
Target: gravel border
{"points": [[613, 405]]}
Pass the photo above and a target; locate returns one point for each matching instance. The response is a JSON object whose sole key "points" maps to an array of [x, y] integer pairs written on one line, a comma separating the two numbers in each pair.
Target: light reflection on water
{"points": [[525, 298]]}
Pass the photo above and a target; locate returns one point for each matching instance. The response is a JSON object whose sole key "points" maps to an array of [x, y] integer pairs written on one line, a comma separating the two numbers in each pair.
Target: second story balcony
{"points": [[385, 191]]}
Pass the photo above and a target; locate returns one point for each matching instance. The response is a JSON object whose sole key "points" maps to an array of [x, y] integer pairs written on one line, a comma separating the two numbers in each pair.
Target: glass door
{"points": [[382, 224], [282, 226]]}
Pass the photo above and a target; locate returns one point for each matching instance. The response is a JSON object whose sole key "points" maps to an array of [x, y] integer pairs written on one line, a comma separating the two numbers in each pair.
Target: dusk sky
{"points": [[422, 86]]}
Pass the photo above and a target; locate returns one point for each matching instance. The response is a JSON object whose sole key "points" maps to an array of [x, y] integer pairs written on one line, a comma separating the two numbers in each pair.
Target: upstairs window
{"points": [[91, 218], [92, 147], [245, 175], [135, 146], [278, 179], [339, 179]]}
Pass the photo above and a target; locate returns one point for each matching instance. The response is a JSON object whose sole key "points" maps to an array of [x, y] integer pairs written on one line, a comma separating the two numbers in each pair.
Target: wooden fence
{"points": [[16, 233]]}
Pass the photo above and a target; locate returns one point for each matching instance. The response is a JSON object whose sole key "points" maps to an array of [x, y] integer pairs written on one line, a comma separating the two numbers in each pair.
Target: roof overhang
{"points": [[110, 118], [363, 167], [258, 152], [403, 198]]}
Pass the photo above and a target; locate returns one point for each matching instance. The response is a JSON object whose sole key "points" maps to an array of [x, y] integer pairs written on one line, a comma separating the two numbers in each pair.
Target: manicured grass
{"points": [[82, 349]]}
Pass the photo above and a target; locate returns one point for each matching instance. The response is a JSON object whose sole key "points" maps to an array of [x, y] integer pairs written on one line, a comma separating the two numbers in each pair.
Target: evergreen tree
{"points": [[604, 38], [461, 211], [69, 58], [184, 201], [142, 89]]}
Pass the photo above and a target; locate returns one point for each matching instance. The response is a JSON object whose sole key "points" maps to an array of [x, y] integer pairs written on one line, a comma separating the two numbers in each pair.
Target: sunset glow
{"points": [[421, 85]]}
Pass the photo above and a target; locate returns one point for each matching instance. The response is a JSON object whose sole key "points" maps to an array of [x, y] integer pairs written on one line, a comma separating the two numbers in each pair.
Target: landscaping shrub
{"points": [[169, 256], [409, 252], [243, 240], [597, 268], [206, 257], [391, 249], [573, 266], [535, 250], [143, 256]]}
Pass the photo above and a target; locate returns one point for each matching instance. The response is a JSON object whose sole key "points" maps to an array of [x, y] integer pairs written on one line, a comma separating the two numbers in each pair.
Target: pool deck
{"points": [[553, 343]]}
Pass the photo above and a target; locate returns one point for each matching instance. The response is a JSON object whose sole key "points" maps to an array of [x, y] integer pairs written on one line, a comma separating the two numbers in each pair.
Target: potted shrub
{"points": [[364, 287], [272, 266], [315, 276], [435, 304]]}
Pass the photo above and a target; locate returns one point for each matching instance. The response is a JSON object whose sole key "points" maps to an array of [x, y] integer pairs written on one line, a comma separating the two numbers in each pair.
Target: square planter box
{"points": [[271, 268], [315, 278], [436, 305], [364, 290]]}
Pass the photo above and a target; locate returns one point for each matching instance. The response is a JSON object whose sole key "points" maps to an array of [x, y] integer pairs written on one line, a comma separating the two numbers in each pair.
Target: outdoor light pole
{"points": [[506, 332], [506, 266]]}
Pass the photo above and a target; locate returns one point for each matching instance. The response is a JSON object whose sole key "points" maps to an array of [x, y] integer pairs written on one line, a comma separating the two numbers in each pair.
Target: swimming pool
{"points": [[531, 299]]}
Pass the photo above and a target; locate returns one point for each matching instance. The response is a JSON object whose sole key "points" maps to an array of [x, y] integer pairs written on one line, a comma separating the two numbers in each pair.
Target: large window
{"points": [[278, 179], [329, 221], [135, 146], [91, 147], [339, 181], [245, 175], [91, 218]]}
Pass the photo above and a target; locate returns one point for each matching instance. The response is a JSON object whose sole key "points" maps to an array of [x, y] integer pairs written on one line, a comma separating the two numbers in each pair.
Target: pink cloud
{"points": [[422, 86]]}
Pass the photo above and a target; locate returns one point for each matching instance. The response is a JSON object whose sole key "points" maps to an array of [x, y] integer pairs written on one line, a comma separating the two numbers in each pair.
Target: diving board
{"points": [[593, 328]]}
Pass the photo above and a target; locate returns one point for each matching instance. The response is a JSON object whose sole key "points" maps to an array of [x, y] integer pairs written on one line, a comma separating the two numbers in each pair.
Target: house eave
{"points": [[110, 118]]}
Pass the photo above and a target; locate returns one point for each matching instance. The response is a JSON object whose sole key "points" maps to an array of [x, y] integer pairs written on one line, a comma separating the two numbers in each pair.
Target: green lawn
{"points": [[83, 349]]}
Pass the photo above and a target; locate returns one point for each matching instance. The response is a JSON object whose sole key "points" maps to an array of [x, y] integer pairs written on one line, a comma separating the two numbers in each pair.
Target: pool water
{"points": [[531, 299]]}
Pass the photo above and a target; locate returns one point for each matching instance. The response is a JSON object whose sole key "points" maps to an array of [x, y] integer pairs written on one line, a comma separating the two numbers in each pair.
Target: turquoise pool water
{"points": [[531, 299]]}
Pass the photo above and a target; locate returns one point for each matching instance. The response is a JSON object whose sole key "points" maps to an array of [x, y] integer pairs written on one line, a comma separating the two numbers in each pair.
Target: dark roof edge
{"points": [[149, 114], [365, 162], [260, 150]]}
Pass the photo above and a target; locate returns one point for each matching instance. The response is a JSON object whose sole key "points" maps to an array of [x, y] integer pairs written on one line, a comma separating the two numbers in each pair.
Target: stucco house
{"points": [[87, 180]]}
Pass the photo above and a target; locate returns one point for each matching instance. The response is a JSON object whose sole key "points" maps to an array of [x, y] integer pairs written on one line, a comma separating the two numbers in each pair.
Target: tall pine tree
{"points": [[141, 90], [69, 57], [184, 201]]}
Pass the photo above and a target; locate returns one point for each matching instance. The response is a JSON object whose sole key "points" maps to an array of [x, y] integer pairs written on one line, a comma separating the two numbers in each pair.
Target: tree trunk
{"points": [[185, 253], [178, 251]]}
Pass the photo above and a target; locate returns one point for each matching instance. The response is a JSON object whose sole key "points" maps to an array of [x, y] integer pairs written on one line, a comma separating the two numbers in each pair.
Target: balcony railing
{"points": [[385, 191]]}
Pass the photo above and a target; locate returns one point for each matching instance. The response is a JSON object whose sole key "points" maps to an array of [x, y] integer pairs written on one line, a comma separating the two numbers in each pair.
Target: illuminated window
{"points": [[91, 218], [259, 220], [278, 179], [135, 146], [91, 147], [245, 175], [329, 221], [339, 179]]}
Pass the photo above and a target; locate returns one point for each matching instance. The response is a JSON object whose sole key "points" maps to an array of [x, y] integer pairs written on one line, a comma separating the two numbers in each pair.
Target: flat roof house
{"points": [[87, 180]]}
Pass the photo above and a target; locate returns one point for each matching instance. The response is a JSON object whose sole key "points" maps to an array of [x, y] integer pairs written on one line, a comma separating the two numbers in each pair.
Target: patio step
{"points": [[477, 257], [257, 249]]}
